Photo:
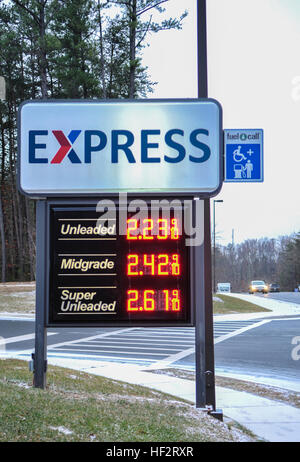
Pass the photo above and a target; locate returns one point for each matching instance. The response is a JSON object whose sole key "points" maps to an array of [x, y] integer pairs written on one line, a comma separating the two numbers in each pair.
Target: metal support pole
{"points": [[199, 303], [205, 368], [40, 355], [202, 49], [209, 325], [199, 283], [214, 250]]}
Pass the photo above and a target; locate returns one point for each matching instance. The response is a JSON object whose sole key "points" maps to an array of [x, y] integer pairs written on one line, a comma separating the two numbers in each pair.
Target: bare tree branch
{"points": [[32, 14], [146, 31], [149, 7]]}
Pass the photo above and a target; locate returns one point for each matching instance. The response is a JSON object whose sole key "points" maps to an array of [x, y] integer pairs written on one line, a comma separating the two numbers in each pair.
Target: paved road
{"points": [[135, 345], [263, 352], [292, 297], [256, 347]]}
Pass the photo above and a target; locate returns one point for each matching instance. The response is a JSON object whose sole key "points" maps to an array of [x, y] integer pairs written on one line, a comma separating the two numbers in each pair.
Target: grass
{"points": [[278, 394], [17, 297], [20, 297], [234, 305], [81, 407]]}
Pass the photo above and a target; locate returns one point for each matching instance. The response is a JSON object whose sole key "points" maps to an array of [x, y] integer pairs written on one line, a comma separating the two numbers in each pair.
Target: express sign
{"points": [[92, 147]]}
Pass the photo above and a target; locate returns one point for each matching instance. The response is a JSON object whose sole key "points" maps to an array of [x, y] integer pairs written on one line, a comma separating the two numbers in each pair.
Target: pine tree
{"points": [[62, 49], [138, 23], [74, 61]]}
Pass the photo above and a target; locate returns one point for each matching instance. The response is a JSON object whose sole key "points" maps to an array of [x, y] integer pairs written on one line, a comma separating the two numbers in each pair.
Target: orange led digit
{"points": [[175, 265], [134, 263], [166, 292], [134, 297], [150, 262], [175, 300], [149, 304], [147, 229], [164, 262], [134, 222], [174, 229], [164, 228]]}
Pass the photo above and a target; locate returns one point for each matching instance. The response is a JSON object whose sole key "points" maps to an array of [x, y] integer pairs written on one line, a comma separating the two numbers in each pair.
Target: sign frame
{"points": [[136, 191]]}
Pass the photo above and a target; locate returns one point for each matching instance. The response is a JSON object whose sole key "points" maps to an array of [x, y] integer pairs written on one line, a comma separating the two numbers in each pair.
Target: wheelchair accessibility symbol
{"points": [[238, 156]]}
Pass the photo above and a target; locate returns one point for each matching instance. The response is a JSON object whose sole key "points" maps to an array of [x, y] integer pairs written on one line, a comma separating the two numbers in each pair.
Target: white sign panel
{"points": [[145, 146]]}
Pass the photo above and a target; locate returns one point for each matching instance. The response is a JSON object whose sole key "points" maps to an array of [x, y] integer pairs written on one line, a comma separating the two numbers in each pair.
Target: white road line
{"points": [[140, 342], [286, 319], [173, 358], [86, 339], [105, 351], [90, 344], [20, 338], [78, 340], [163, 336], [98, 357], [223, 331], [240, 331]]}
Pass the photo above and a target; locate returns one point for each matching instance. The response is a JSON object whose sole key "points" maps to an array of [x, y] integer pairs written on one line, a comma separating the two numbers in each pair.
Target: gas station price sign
{"points": [[100, 277]]}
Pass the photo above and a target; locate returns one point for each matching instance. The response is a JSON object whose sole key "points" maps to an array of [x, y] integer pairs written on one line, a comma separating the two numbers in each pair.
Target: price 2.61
{"points": [[153, 300]]}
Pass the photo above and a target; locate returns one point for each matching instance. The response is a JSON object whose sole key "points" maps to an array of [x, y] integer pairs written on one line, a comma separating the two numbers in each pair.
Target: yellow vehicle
{"points": [[258, 286]]}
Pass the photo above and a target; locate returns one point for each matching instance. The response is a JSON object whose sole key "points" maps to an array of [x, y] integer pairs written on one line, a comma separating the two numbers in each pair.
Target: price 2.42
{"points": [[153, 264]]}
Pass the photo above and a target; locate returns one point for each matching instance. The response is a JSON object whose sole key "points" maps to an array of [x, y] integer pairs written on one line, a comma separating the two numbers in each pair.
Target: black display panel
{"points": [[99, 277]]}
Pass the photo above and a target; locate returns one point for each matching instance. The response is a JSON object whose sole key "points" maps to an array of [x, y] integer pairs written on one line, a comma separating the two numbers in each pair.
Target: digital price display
{"points": [[100, 277]]}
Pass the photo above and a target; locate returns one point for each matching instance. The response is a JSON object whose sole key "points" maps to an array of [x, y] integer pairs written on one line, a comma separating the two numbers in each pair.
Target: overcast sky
{"points": [[254, 72]]}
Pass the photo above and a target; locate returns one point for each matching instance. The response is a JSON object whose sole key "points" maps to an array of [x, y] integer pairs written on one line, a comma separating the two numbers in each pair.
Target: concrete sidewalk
{"points": [[269, 420]]}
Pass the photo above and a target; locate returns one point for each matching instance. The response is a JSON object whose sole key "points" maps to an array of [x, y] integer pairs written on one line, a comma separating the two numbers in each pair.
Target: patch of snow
{"points": [[63, 430], [292, 385], [217, 299], [15, 316], [21, 294], [24, 385], [29, 284]]}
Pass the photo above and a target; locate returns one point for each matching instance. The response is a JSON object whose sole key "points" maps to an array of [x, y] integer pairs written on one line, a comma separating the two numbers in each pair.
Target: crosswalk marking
{"points": [[91, 345], [228, 335], [121, 351], [152, 347], [145, 347], [20, 338]]}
